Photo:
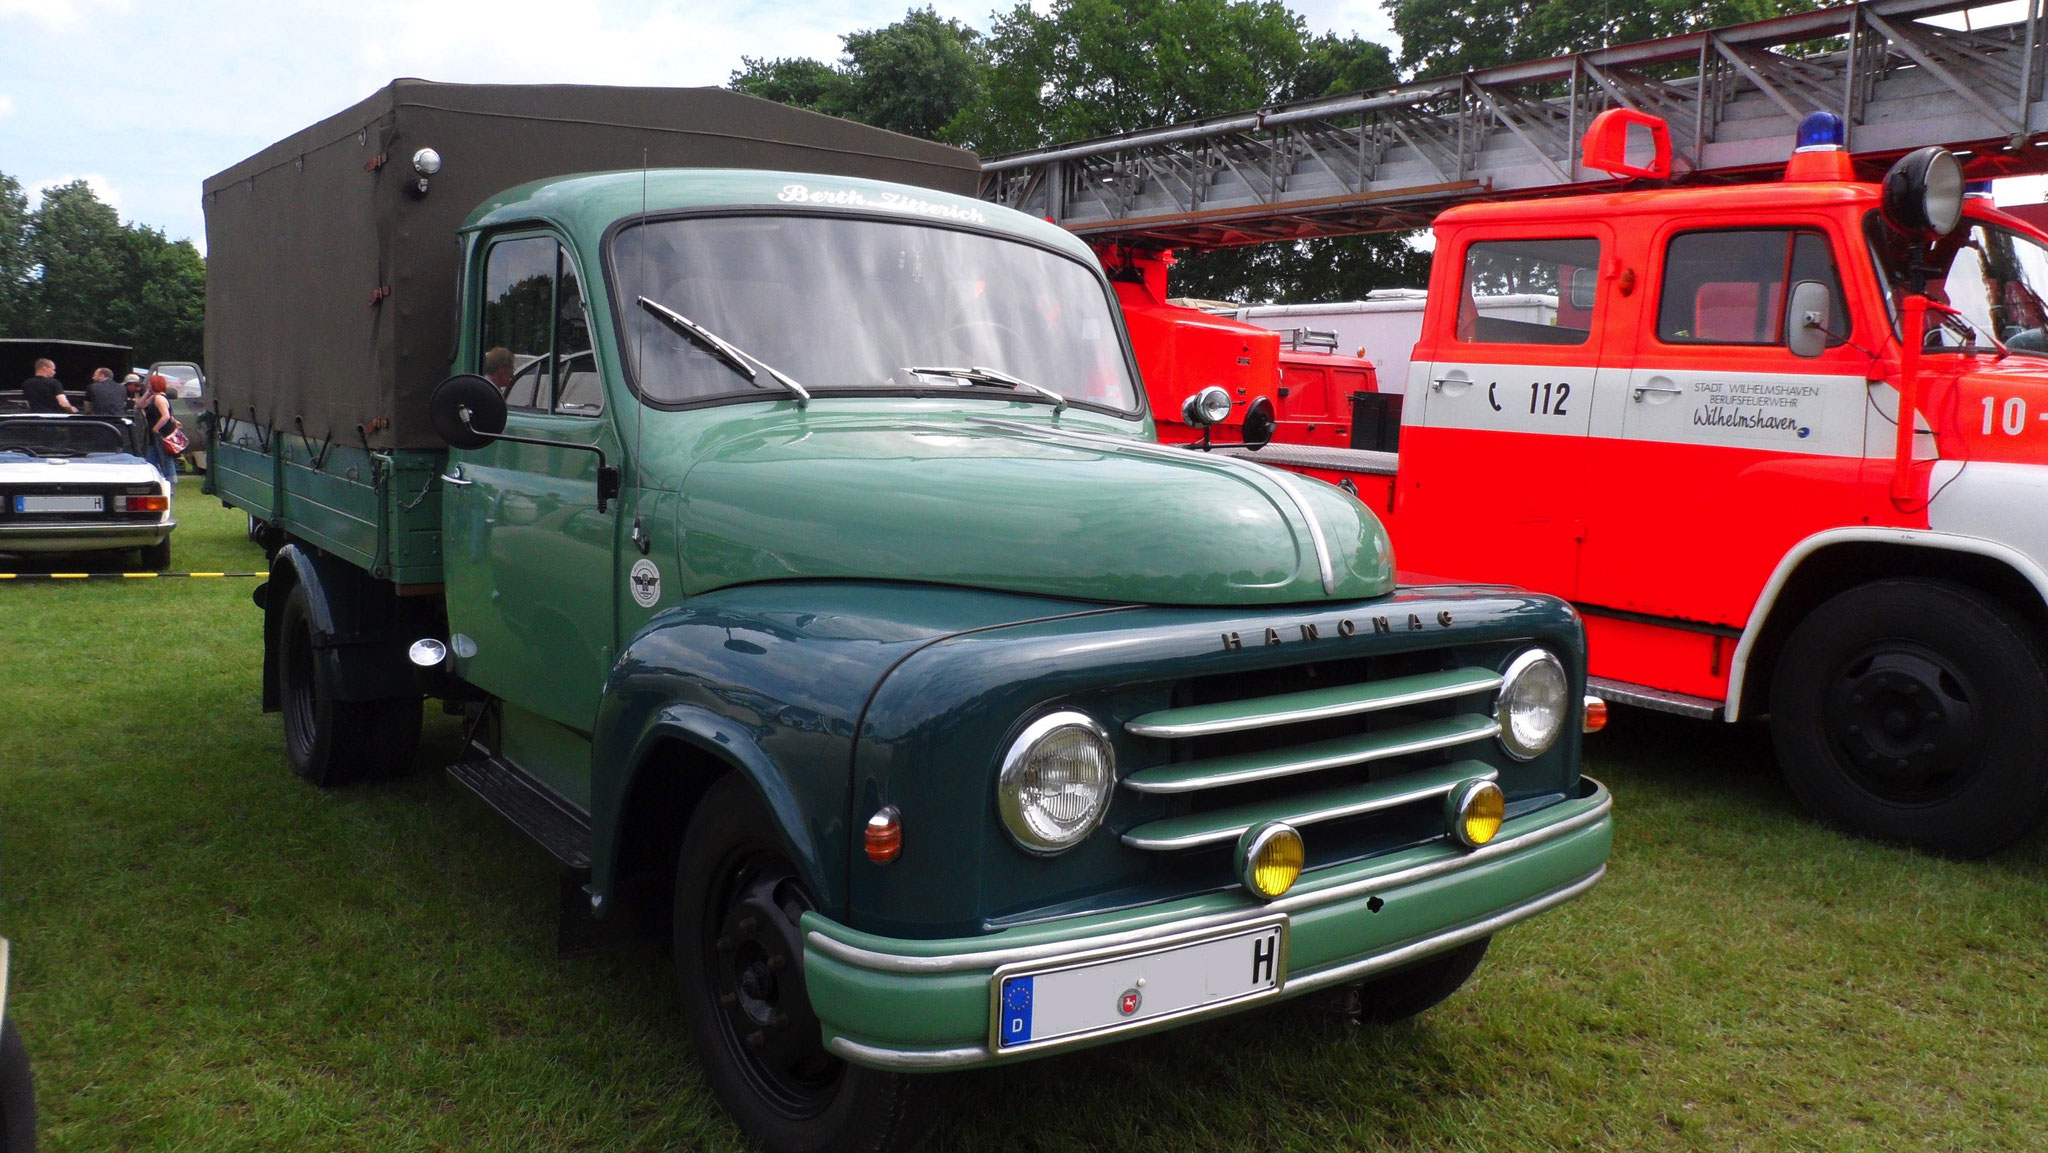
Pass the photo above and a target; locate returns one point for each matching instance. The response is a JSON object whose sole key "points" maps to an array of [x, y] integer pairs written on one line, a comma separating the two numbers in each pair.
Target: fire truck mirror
{"points": [[1259, 423], [1807, 320], [1584, 288]]}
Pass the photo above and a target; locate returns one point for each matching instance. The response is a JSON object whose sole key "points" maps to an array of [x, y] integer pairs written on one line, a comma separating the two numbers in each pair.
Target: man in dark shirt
{"points": [[42, 391], [105, 396]]}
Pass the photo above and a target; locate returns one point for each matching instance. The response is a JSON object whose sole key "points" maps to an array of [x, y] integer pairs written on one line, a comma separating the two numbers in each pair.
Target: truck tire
{"points": [[740, 965], [157, 557], [1417, 988], [332, 742], [1915, 711], [17, 1093]]}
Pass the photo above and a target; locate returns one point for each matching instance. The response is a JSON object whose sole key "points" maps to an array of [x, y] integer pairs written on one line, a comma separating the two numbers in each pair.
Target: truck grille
{"points": [[1239, 756]]}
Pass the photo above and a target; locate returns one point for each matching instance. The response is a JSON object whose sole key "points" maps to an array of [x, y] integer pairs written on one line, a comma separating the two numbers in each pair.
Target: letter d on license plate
{"points": [[1037, 1002]]}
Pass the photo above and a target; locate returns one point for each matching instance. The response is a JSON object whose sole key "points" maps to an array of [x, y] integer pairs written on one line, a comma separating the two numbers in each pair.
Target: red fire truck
{"points": [[1702, 446]]}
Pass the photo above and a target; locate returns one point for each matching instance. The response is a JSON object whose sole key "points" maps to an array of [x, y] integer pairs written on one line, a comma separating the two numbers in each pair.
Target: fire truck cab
{"points": [[1702, 450]]}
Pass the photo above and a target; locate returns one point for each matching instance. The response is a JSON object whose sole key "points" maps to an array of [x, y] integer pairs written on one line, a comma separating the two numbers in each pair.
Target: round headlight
{"points": [[1533, 702], [1923, 193], [1207, 407], [1055, 784]]}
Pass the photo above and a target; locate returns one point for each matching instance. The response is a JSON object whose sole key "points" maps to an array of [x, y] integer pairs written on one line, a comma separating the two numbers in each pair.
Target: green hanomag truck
{"points": [[815, 589]]}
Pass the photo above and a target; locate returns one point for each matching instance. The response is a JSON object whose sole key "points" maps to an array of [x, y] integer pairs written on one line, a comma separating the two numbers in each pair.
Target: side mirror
{"points": [[467, 411], [1259, 423], [1807, 319]]}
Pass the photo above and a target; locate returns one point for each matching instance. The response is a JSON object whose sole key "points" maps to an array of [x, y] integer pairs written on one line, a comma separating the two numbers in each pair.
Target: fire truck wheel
{"points": [[740, 965], [332, 742], [1416, 989], [1913, 711]]}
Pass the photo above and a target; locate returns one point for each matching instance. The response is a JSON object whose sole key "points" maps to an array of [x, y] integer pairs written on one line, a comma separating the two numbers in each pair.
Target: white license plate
{"points": [[1063, 1001], [60, 504]]}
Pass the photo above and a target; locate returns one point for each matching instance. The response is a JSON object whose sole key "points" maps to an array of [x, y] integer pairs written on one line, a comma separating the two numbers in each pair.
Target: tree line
{"points": [[1086, 68], [71, 270]]}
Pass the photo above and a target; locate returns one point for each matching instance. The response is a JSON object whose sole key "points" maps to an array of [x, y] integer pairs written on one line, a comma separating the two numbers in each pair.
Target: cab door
{"points": [[529, 558], [1731, 449], [1492, 474]]}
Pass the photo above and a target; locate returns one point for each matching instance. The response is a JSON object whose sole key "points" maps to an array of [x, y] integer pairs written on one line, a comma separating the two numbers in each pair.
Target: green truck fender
{"points": [[770, 680]]}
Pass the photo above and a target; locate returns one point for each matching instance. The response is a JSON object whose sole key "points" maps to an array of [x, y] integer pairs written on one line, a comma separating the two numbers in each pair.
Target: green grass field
{"points": [[210, 954]]}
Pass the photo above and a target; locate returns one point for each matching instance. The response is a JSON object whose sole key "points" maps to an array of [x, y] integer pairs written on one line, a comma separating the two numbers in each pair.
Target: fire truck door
{"points": [[1492, 444], [1725, 449]]}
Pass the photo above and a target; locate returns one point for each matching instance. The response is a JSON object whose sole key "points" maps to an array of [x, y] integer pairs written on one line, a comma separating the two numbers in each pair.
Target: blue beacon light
{"points": [[1978, 188], [1820, 130]]}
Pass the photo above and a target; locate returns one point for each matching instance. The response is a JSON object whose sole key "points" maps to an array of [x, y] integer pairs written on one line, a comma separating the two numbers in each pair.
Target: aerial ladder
{"points": [[1900, 74]]}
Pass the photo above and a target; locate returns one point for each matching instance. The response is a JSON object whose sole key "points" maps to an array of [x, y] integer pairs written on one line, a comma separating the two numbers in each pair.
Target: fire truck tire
{"points": [[331, 742], [1420, 987], [740, 968], [1913, 711]]}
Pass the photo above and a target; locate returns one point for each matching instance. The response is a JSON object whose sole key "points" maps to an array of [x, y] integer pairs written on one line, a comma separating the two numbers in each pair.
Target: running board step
{"points": [[553, 823], [1659, 700]]}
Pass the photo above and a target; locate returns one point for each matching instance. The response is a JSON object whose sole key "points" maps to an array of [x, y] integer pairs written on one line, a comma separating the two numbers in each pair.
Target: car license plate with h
{"points": [[1038, 1003]]}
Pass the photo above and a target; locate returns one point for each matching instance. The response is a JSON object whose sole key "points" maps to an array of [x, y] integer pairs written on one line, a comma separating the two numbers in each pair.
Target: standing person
{"points": [[157, 419], [43, 392], [105, 397]]}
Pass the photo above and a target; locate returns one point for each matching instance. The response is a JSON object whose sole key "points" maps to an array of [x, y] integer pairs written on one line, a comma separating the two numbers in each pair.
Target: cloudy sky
{"points": [[146, 98]]}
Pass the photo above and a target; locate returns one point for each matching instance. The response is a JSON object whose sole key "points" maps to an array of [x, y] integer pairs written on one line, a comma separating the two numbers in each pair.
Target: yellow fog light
{"points": [[1269, 858], [1474, 811]]}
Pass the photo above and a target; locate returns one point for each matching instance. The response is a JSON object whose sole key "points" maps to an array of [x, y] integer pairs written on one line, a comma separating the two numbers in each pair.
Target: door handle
{"points": [[454, 476], [1436, 384], [1640, 389]]}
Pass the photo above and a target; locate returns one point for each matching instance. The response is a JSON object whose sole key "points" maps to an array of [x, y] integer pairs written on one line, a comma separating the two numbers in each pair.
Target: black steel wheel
{"points": [[1414, 989], [332, 742], [1915, 711], [740, 966], [17, 1093]]}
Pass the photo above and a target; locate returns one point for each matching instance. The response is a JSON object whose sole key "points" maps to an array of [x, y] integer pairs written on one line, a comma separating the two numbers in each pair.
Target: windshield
{"points": [[60, 436], [853, 304], [1996, 277]]}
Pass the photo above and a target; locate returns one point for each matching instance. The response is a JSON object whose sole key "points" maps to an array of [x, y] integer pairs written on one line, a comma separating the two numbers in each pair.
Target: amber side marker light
{"points": [[885, 835], [1596, 714], [1474, 811], [1269, 859]]}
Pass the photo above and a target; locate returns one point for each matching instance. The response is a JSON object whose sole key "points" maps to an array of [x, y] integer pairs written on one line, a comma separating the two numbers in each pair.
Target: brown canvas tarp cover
{"points": [[331, 293]]}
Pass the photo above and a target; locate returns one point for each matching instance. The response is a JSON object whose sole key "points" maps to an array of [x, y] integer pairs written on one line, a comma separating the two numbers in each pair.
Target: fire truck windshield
{"points": [[1996, 277], [845, 304]]}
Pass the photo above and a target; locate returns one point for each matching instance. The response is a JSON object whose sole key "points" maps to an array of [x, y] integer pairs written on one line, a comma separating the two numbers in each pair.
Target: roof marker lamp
{"points": [[1054, 786], [426, 163], [1269, 859], [1533, 704], [1474, 811]]}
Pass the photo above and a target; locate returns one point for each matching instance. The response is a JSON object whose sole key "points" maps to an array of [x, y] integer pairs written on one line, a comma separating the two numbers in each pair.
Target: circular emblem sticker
{"points": [[645, 581], [1129, 1002]]}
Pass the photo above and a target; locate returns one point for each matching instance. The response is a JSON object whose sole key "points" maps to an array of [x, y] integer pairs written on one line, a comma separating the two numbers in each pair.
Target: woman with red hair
{"points": [[157, 419]]}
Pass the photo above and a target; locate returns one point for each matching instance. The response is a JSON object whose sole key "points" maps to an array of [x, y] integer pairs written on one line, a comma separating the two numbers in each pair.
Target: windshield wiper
{"points": [[726, 354], [976, 374]]}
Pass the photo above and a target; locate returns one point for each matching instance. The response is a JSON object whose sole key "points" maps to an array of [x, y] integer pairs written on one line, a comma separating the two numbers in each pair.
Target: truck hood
{"points": [[1022, 507]]}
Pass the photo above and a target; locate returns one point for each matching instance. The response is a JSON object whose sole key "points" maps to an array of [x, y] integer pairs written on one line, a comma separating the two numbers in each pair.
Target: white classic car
{"points": [[78, 484]]}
